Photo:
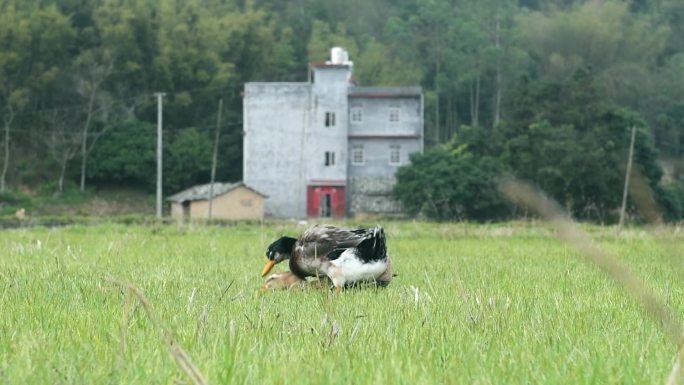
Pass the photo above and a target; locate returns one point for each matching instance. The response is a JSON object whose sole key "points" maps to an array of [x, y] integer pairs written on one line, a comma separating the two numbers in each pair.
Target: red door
{"points": [[326, 202]]}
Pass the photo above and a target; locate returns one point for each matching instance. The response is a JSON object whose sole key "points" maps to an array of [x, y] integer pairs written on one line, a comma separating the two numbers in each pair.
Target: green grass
{"points": [[472, 304], [93, 204]]}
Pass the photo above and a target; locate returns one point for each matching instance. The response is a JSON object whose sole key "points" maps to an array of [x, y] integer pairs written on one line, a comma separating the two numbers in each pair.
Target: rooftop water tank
{"points": [[338, 55]]}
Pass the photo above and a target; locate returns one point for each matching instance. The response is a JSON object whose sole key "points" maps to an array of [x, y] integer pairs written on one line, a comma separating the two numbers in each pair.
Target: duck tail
{"points": [[374, 247]]}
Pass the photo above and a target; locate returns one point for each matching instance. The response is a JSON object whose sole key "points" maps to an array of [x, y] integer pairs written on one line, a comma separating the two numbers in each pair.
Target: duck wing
{"points": [[372, 247], [320, 240]]}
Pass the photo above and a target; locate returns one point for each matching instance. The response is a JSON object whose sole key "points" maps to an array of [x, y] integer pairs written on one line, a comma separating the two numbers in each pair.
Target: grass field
{"points": [[472, 304]]}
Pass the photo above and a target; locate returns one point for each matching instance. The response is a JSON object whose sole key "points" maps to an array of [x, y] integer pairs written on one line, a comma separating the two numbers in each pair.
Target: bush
{"points": [[10, 202], [672, 201], [126, 153], [443, 185]]}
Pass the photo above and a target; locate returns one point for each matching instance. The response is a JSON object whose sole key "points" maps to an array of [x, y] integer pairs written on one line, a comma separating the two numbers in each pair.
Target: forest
{"points": [[546, 91]]}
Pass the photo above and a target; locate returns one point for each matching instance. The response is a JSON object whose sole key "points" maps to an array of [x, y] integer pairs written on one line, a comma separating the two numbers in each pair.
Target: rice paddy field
{"points": [[472, 304]]}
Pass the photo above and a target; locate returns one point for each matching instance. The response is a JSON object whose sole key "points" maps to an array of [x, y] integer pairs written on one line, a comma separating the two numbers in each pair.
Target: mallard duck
{"points": [[345, 256], [307, 253]]}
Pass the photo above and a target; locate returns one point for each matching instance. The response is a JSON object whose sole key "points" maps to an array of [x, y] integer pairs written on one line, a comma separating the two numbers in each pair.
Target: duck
{"points": [[345, 256], [307, 253], [285, 280]]}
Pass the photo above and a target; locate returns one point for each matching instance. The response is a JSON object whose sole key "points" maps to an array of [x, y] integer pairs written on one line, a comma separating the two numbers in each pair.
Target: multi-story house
{"points": [[326, 147]]}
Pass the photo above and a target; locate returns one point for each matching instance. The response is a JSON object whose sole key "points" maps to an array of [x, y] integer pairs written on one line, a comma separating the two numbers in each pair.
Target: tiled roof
{"points": [[201, 192]]}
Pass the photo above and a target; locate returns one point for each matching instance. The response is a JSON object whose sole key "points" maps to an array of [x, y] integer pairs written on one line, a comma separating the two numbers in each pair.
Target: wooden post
{"points": [[627, 175], [215, 157], [159, 95]]}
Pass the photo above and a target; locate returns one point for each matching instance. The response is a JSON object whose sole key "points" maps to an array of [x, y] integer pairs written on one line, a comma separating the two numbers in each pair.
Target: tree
{"points": [[126, 153], [33, 41], [672, 201], [323, 39], [62, 141], [189, 160], [14, 86], [89, 80], [376, 65], [15, 101], [430, 24], [492, 49], [663, 106], [447, 185], [604, 36], [573, 143]]}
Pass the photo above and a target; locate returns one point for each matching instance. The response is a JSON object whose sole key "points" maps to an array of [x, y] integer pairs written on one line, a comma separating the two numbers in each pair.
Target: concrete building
{"points": [[326, 147], [233, 201]]}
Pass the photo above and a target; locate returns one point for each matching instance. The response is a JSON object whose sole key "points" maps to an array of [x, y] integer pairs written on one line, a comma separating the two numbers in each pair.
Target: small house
{"points": [[232, 201]]}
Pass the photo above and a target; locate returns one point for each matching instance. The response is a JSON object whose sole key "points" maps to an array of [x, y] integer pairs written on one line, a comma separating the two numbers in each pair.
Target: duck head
{"points": [[277, 252]]}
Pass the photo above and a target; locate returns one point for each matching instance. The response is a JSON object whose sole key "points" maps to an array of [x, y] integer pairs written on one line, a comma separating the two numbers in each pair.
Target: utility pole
{"points": [[159, 95], [214, 159], [629, 171]]}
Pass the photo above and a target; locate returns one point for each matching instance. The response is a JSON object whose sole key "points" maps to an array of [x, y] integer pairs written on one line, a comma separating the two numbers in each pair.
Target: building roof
{"points": [[201, 192], [384, 92]]}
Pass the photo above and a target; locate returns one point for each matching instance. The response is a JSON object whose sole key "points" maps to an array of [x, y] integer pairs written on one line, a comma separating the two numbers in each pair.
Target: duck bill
{"points": [[267, 268]]}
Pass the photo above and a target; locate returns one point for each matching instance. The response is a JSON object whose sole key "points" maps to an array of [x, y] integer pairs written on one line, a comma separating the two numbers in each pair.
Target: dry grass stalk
{"points": [[125, 321], [642, 195], [673, 378], [643, 198], [179, 355], [532, 198]]}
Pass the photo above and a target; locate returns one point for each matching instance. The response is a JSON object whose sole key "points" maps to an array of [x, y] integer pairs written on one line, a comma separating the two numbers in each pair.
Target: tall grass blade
{"points": [[534, 199], [179, 355]]}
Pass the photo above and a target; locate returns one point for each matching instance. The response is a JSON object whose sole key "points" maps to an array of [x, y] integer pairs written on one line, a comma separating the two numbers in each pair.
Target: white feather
{"points": [[348, 268]]}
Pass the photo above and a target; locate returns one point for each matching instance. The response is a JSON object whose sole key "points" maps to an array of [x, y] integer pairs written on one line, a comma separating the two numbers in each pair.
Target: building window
{"points": [[356, 115], [357, 155], [246, 202], [394, 115], [330, 119], [395, 155], [329, 158]]}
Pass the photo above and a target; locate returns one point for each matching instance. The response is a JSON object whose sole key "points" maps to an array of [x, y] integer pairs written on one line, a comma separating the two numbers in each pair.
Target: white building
{"points": [[327, 148]]}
